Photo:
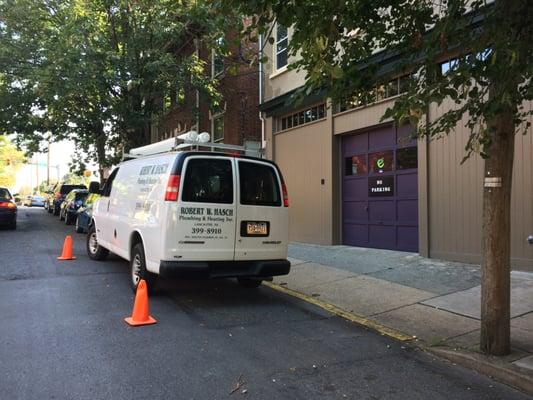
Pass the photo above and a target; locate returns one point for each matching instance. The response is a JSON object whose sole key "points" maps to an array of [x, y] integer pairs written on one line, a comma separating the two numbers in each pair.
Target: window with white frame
{"points": [[302, 117], [217, 127], [282, 43], [217, 59]]}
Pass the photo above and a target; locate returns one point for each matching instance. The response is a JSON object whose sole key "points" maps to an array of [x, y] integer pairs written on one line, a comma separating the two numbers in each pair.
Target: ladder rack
{"points": [[177, 144]]}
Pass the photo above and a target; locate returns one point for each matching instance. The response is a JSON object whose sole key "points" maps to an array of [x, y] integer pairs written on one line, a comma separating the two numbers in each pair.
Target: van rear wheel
{"points": [[139, 271], [94, 250], [250, 283]]}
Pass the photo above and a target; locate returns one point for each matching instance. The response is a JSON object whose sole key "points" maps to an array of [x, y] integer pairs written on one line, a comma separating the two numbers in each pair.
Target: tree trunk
{"points": [[100, 153], [496, 265]]}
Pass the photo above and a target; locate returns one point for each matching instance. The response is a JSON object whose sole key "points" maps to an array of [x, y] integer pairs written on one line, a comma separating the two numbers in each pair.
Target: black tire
{"points": [[250, 283], [56, 211], [68, 218], [49, 209], [13, 225], [138, 270], [94, 250], [79, 229]]}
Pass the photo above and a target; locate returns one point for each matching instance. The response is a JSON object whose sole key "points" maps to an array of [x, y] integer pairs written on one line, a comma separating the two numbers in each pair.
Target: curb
{"points": [[360, 320], [481, 364], [476, 362]]}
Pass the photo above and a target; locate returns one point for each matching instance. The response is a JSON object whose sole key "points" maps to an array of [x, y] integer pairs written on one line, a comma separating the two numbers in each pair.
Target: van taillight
{"points": [[285, 195], [173, 186]]}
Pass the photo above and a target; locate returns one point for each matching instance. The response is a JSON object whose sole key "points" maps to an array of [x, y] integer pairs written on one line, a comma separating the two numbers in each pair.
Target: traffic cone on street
{"points": [[141, 313], [67, 249]]}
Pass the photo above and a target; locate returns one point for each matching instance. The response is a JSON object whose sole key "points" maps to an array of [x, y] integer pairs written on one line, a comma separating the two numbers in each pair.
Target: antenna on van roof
{"points": [[188, 141]]}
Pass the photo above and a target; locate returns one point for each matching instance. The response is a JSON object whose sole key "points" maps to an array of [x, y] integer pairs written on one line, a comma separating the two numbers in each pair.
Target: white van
{"points": [[191, 214]]}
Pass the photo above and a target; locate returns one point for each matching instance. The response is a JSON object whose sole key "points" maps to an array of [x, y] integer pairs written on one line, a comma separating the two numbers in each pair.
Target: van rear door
{"points": [[205, 226], [262, 218]]}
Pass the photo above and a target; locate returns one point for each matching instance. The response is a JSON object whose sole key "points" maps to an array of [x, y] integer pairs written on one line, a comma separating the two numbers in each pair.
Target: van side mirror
{"points": [[94, 187]]}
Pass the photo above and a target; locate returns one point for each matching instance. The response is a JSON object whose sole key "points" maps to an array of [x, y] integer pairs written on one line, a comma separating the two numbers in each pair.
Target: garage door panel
{"points": [[380, 138], [407, 185], [408, 238], [382, 236], [355, 144], [355, 211], [380, 189], [355, 189], [356, 234], [407, 211], [382, 211]]}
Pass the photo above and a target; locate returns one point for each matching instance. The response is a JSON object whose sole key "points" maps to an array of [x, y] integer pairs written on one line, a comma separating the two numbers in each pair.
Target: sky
{"points": [[60, 156]]}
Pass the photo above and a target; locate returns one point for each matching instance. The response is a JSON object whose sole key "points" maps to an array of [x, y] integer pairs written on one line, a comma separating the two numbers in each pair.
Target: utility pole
{"points": [[37, 171], [48, 165]]}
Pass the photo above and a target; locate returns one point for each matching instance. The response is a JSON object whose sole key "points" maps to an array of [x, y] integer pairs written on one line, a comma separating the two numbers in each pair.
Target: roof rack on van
{"points": [[187, 141]]}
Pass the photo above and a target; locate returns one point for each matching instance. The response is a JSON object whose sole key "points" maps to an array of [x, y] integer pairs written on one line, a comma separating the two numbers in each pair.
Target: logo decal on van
{"points": [[207, 223], [157, 169]]}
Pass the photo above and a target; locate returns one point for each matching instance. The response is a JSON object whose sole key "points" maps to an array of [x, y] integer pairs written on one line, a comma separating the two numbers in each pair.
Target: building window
{"points": [[282, 42], [310, 114], [390, 89], [218, 128], [406, 158], [448, 65], [217, 58], [355, 165], [381, 161]]}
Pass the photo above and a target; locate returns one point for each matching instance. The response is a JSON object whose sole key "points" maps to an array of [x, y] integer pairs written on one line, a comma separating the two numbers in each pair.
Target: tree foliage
{"points": [[341, 46], [96, 71]]}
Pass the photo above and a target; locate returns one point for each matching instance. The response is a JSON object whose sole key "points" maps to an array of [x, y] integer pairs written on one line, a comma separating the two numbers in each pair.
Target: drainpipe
{"points": [[263, 140], [197, 51]]}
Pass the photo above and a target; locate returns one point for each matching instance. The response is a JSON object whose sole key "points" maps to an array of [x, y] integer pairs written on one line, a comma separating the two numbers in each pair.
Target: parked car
{"points": [[34, 201], [193, 214], [69, 207], [8, 209], [85, 213], [17, 199], [59, 192], [49, 198]]}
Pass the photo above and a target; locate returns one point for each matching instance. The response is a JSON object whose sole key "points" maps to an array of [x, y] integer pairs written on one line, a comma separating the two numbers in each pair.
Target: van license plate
{"points": [[257, 228]]}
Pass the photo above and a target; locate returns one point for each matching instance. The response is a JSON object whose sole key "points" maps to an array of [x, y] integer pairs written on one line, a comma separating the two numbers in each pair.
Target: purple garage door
{"points": [[380, 190]]}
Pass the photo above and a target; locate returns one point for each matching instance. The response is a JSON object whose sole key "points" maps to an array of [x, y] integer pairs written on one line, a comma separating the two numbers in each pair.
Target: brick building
{"points": [[237, 120]]}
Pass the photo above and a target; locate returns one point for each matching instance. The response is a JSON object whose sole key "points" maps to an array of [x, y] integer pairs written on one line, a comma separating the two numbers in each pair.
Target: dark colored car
{"points": [[60, 191], [69, 207], [8, 209], [85, 213]]}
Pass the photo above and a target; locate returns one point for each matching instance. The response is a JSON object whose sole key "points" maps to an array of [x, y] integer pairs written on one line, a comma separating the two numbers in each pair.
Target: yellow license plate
{"points": [[256, 228]]}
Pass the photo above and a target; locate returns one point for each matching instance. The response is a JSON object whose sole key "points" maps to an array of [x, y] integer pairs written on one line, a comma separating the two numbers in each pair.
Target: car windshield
{"points": [[67, 188], [81, 195], [4, 194]]}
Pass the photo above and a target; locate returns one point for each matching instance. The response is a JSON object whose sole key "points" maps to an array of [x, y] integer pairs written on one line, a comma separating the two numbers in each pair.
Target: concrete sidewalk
{"points": [[436, 302]]}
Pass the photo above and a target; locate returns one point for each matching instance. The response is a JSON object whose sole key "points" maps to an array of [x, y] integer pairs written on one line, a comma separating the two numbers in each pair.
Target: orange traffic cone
{"points": [[67, 249], [141, 313]]}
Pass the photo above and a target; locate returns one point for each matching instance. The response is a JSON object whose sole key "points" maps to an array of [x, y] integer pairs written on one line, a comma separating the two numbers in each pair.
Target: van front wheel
{"points": [[94, 250], [139, 271], [249, 282]]}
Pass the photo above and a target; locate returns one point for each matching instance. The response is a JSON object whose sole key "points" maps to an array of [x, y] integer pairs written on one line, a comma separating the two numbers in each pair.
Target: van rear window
{"points": [[208, 181], [259, 185]]}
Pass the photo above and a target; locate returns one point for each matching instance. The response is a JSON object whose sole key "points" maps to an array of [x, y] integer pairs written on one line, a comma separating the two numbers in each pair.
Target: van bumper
{"points": [[223, 269]]}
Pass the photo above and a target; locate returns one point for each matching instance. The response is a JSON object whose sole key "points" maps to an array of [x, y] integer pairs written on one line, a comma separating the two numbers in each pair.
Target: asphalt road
{"points": [[62, 336]]}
